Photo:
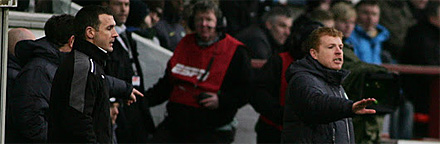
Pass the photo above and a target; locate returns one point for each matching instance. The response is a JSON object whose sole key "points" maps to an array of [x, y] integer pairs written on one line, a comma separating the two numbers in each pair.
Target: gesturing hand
{"points": [[133, 95], [359, 106]]}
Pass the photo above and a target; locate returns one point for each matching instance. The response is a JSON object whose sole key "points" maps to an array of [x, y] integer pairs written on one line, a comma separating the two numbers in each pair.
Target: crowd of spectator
{"points": [[212, 72]]}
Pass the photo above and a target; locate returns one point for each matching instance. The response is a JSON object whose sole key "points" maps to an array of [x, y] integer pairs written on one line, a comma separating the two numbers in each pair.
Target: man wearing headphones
{"points": [[206, 81]]}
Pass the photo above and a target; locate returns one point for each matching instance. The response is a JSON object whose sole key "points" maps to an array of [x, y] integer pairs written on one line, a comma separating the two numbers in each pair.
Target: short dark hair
{"points": [[321, 15], [277, 11], [88, 16], [366, 2], [313, 40], [59, 29], [207, 5]]}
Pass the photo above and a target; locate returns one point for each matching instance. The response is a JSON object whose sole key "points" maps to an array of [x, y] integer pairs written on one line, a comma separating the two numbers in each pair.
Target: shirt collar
{"points": [[103, 50], [120, 29]]}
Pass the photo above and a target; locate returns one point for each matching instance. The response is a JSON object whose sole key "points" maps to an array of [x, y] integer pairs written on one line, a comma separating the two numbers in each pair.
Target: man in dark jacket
{"points": [[135, 123], [14, 35], [169, 30], [206, 81], [422, 47], [317, 110], [268, 38], [40, 58], [79, 107]]}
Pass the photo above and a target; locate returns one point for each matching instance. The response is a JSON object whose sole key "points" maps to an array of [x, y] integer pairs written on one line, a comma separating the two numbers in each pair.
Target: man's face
{"points": [[205, 24], [419, 4], [120, 9], [368, 16], [345, 26], [329, 52], [114, 111], [280, 28], [105, 36], [435, 20]]}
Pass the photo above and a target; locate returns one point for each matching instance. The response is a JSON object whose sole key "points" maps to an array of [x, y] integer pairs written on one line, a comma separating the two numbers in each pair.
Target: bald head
{"points": [[17, 34]]}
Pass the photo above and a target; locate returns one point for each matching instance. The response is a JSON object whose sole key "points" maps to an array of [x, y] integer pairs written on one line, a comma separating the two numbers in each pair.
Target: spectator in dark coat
{"points": [[141, 19], [317, 109], [268, 38], [416, 7], [29, 102], [397, 18], [14, 35], [169, 30], [239, 14], [135, 123], [422, 47]]}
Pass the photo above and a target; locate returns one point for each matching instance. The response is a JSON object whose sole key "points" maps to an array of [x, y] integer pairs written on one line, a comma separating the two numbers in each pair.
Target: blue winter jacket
{"points": [[368, 49]]}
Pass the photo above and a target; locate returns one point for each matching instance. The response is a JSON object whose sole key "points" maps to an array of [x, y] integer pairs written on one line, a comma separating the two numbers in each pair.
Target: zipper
{"points": [[346, 122], [334, 133]]}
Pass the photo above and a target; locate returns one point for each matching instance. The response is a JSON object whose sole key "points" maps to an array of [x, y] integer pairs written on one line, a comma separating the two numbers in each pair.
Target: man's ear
{"points": [[90, 32], [268, 25], [70, 42], [314, 53]]}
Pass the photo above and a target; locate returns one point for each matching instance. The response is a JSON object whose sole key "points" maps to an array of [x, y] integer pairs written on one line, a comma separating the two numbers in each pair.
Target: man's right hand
{"points": [[359, 106], [133, 95]]}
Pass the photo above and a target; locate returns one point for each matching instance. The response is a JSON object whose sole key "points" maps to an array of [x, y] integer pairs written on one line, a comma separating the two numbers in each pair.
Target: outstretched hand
{"points": [[359, 106], [133, 95]]}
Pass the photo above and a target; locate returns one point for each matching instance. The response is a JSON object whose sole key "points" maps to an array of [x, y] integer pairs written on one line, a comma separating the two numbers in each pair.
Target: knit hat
{"points": [[138, 11]]}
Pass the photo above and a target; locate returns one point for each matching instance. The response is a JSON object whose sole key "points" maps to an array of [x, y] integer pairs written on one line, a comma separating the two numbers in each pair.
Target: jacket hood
{"points": [[13, 62], [28, 49], [312, 66]]}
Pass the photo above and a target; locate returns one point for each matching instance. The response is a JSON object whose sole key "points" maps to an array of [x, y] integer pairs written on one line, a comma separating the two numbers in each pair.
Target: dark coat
{"points": [[135, 122], [317, 109], [266, 100], [29, 102], [169, 32], [421, 48], [13, 70], [260, 41], [79, 103]]}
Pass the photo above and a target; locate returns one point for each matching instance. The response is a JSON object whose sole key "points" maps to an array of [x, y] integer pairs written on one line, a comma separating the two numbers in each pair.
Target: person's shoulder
{"points": [[251, 32]]}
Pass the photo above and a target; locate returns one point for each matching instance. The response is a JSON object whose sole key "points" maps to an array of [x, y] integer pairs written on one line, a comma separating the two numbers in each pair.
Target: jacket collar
{"points": [[382, 35], [312, 66], [91, 50]]}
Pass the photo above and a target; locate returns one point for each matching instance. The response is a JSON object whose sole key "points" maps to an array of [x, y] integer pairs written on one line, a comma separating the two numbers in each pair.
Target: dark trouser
{"points": [[167, 133], [267, 133]]}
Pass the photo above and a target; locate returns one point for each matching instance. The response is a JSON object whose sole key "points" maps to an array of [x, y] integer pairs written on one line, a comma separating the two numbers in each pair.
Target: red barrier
{"points": [[434, 111]]}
